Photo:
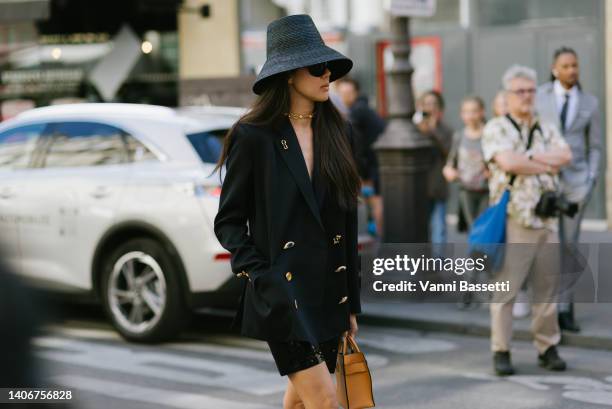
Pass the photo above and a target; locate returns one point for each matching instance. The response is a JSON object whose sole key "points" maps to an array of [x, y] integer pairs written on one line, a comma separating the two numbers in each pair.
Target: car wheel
{"points": [[141, 292]]}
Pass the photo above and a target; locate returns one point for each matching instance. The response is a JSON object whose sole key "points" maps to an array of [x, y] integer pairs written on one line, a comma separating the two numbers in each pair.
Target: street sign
{"points": [[413, 8]]}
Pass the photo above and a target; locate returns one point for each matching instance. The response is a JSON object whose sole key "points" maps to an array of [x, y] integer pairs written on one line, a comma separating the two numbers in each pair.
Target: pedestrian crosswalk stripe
{"points": [[175, 399], [222, 350], [405, 344], [162, 365], [165, 363], [89, 333]]}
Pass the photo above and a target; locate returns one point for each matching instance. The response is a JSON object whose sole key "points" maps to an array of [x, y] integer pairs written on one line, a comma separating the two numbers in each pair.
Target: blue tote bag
{"points": [[488, 233], [490, 226]]}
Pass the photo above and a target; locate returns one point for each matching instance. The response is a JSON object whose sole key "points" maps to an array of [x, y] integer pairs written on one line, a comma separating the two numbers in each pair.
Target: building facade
{"points": [[193, 52]]}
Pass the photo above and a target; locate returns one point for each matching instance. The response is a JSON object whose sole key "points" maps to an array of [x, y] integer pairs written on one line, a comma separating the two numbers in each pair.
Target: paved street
{"points": [[210, 368]]}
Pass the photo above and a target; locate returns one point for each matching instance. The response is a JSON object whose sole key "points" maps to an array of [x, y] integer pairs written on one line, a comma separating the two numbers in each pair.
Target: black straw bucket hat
{"points": [[294, 42]]}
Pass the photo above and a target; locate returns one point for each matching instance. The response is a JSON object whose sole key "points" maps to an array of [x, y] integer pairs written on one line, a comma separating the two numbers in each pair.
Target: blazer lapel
{"points": [[552, 105], [289, 148], [579, 108], [320, 187]]}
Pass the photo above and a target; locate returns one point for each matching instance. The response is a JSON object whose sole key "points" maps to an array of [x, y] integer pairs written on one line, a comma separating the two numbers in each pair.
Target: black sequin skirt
{"points": [[293, 356]]}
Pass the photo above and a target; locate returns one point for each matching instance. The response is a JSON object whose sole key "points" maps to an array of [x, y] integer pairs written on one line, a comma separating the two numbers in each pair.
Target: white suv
{"points": [[117, 201]]}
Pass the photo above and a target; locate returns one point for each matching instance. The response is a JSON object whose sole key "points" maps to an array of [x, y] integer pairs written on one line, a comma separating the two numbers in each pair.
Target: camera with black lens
{"points": [[552, 204]]}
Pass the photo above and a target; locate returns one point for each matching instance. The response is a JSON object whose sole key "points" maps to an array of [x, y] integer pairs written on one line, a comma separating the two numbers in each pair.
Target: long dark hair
{"points": [[336, 164]]}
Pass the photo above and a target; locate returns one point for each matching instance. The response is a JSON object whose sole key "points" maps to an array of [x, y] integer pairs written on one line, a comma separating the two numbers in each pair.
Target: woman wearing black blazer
{"points": [[288, 212]]}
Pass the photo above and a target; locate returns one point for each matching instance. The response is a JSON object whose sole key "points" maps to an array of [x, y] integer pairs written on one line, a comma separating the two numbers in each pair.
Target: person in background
{"points": [[519, 144], [465, 163], [335, 98], [499, 104], [521, 307], [368, 126], [562, 101], [429, 122]]}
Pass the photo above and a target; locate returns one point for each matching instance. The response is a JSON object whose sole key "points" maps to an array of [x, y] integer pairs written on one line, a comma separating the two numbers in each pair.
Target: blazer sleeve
{"points": [[235, 204], [352, 256], [594, 138]]}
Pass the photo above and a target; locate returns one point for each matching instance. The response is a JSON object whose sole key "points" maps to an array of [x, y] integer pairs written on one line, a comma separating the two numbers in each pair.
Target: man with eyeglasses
{"points": [[576, 112], [519, 144]]}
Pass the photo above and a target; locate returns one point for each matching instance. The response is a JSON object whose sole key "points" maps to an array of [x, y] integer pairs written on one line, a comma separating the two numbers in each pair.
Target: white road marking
{"points": [[376, 361], [223, 345], [90, 333], [405, 344], [237, 341], [162, 365], [568, 382], [233, 352], [581, 389], [480, 376], [165, 364], [597, 397], [124, 391]]}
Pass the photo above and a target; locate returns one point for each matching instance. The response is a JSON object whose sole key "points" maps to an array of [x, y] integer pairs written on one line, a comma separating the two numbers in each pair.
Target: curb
{"points": [[574, 340]]}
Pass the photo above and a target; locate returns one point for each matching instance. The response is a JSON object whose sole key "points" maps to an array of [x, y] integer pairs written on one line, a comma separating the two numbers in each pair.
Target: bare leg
{"points": [[292, 400], [313, 387]]}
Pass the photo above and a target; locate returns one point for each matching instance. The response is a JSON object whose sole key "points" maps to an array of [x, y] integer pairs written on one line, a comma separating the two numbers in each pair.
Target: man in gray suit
{"points": [[576, 113]]}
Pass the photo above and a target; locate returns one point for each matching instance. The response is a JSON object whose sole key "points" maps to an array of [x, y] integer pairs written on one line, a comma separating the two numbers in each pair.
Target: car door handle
{"points": [[6, 194], [100, 192]]}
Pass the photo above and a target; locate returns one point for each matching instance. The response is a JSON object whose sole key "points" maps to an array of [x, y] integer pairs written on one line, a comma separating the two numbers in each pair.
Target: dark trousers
{"points": [[569, 234], [472, 204]]}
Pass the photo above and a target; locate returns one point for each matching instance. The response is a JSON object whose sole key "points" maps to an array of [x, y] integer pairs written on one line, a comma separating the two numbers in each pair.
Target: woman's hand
{"points": [[450, 174], [353, 321]]}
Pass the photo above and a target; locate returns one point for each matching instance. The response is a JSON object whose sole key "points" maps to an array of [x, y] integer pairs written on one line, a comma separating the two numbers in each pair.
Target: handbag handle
{"points": [[350, 340]]}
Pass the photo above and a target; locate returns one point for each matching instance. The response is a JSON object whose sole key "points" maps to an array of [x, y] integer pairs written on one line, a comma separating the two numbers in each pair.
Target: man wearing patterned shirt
{"points": [[504, 142]]}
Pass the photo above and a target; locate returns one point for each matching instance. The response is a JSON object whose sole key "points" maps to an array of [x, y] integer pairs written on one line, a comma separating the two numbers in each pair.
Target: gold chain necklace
{"points": [[298, 116]]}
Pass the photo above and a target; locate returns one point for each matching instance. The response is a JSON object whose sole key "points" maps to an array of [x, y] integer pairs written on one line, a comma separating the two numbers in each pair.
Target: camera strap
{"points": [[535, 127]]}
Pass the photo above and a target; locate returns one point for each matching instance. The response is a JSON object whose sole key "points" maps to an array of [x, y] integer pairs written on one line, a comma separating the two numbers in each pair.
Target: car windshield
{"points": [[208, 144]]}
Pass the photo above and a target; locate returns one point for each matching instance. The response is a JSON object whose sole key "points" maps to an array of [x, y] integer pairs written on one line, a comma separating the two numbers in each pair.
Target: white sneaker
{"points": [[521, 309]]}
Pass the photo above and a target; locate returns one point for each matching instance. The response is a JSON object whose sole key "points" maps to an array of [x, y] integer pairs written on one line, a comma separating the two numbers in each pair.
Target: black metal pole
{"points": [[403, 153]]}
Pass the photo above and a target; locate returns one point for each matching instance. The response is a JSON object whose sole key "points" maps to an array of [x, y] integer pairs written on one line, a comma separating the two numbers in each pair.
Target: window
{"points": [[85, 144], [207, 144], [446, 13], [504, 12], [137, 151], [17, 144]]}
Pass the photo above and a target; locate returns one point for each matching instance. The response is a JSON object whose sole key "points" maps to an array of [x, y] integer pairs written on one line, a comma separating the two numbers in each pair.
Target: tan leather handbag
{"points": [[353, 379]]}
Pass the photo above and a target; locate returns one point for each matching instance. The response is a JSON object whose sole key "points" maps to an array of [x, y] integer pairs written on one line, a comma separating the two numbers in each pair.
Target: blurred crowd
{"points": [[548, 137], [545, 138]]}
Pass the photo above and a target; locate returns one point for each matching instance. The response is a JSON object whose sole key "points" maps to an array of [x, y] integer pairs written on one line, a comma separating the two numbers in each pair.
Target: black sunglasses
{"points": [[317, 70]]}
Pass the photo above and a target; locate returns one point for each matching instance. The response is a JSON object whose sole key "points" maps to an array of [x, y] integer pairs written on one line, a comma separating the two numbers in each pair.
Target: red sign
{"points": [[426, 59]]}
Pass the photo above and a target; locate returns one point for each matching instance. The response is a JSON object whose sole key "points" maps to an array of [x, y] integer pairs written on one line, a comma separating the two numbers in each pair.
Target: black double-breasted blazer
{"points": [[291, 243]]}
